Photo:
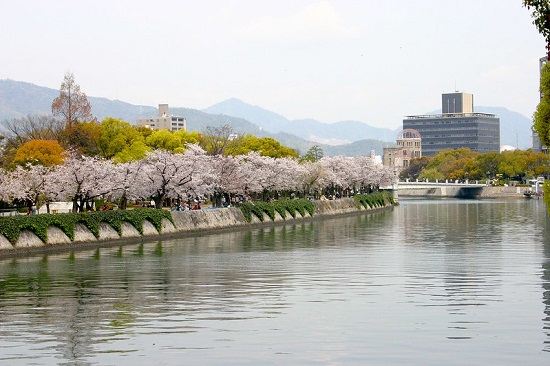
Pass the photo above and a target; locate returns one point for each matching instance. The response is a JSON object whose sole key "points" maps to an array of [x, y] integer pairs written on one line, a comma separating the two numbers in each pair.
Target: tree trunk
{"points": [[158, 201], [123, 202]]}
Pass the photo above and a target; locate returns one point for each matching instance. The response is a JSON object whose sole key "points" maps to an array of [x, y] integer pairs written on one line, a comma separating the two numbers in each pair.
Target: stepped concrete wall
{"points": [[184, 222]]}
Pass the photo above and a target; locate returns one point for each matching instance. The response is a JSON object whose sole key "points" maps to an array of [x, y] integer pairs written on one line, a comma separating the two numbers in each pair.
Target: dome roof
{"points": [[408, 134]]}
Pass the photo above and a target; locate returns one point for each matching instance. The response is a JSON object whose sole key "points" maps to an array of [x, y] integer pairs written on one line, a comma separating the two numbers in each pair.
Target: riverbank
{"points": [[183, 223]]}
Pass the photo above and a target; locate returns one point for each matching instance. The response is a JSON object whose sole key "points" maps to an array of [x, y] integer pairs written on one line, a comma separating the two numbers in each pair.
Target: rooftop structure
{"points": [[457, 127]]}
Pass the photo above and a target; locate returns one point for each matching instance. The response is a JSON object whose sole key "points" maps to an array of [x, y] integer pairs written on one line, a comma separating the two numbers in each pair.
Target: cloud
{"points": [[317, 22]]}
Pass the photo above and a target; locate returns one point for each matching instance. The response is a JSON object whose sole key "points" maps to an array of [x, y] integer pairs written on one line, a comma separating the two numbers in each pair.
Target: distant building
{"points": [[409, 146], [537, 144], [164, 121], [458, 126]]}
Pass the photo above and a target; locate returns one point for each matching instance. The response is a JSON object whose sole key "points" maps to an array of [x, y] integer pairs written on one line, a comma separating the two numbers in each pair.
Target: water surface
{"points": [[450, 282]]}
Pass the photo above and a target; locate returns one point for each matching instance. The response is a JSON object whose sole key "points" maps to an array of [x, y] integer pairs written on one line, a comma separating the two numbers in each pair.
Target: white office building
{"points": [[164, 121]]}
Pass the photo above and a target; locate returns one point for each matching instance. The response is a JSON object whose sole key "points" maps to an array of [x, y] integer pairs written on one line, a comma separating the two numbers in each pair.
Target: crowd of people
{"points": [[186, 206]]}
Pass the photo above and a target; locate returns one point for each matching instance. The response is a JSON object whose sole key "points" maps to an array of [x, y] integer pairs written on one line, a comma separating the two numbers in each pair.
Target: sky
{"points": [[374, 61]]}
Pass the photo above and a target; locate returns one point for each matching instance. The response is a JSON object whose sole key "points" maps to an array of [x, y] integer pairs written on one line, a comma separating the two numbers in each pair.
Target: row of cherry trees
{"points": [[162, 175]]}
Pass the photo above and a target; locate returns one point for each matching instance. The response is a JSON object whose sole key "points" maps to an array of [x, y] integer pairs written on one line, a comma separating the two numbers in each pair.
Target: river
{"points": [[430, 282]]}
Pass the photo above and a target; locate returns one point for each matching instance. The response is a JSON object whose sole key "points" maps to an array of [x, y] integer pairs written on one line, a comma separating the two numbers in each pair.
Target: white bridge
{"points": [[465, 189]]}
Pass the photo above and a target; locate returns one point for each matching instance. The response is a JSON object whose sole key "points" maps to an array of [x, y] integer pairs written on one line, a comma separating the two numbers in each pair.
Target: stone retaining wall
{"points": [[185, 222]]}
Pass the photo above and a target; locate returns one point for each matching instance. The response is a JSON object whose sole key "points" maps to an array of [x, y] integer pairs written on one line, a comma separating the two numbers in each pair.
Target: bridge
{"points": [[466, 189]]}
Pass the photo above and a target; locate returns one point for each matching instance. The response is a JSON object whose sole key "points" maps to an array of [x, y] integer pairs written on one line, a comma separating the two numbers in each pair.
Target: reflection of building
{"points": [[409, 145], [164, 121], [458, 126]]}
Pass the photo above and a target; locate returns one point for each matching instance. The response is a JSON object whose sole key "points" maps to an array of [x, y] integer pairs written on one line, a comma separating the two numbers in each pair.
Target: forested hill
{"points": [[351, 138], [18, 99]]}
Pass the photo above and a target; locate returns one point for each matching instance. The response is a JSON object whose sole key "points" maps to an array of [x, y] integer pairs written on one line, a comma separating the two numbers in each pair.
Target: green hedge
{"points": [[11, 226], [282, 207], [373, 200]]}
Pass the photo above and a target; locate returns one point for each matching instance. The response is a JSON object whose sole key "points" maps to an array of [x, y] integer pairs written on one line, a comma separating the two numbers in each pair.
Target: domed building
{"points": [[409, 146]]}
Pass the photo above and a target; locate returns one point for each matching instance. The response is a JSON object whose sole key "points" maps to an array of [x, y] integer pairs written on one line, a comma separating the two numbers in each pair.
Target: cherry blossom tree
{"points": [[352, 174], [258, 173], [126, 182], [169, 175], [313, 177], [289, 171], [338, 171], [3, 186], [82, 178], [193, 173], [263, 174], [29, 183], [227, 178]]}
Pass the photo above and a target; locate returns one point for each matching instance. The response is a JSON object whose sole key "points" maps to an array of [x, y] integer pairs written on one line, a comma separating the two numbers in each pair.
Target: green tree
{"points": [[488, 164], [117, 136], [313, 154], [83, 136], [265, 146], [538, 164], [541, 116], [164, 139], [540, 12], [452, 164], [137, 150], [186, 137], [171, 141], [415, 167], [431, 174], [513, 163], [464, 167], [72, 104]]}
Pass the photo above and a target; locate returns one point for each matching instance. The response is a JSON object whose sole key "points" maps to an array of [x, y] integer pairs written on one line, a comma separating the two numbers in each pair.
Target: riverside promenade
{"points": [[186, 223]]}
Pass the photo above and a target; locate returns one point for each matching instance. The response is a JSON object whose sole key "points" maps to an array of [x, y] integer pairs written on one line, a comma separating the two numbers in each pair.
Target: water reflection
{"points": [[428, 278]]}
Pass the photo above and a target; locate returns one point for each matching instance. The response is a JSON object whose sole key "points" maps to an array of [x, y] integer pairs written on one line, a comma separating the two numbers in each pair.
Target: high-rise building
{"points": [[456, 127], [164, 121]]}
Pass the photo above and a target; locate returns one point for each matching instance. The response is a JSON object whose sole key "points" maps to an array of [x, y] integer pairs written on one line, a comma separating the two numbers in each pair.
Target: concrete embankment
{"points": [[504, 192], [185, 223]]}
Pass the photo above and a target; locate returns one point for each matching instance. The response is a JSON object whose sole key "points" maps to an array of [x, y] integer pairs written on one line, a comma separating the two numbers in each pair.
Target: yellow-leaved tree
{"points": [[39, 152]]}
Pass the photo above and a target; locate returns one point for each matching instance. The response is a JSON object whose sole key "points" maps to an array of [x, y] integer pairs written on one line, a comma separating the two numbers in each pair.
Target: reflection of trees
{"points": [[460, 234], [428, 223], [77, 299]]}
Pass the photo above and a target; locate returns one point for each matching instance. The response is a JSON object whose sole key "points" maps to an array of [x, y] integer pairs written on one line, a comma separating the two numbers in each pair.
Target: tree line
{"points": [[70, 156], [191, 174], [460, 164]]}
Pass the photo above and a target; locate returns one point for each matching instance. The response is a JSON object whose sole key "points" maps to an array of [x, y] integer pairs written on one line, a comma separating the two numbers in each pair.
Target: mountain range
{"points": [[351, 138]]}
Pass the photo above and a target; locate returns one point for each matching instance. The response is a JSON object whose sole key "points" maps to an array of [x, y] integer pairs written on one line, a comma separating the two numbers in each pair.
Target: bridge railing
{"points": [[447, 182]]}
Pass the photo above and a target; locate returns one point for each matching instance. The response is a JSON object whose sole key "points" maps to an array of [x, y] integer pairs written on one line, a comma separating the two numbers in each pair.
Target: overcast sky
{"points": [[366, 60]]}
